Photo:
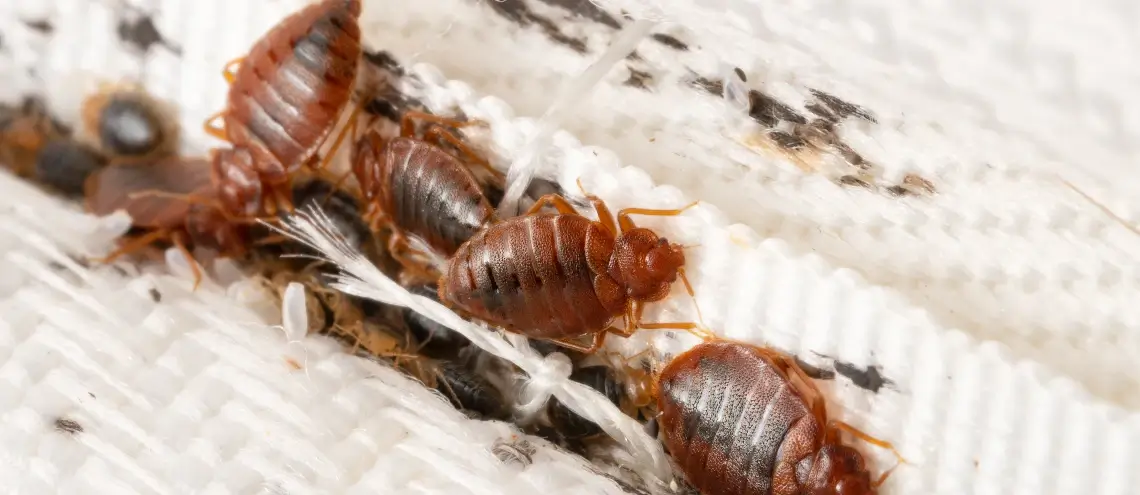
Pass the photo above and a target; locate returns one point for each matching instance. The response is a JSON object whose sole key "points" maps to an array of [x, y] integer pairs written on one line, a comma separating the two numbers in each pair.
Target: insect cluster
{"points": [[736, 418]]}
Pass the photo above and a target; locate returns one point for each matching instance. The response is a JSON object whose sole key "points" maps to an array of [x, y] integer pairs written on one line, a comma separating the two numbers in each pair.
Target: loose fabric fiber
{"points": [[994, 301]]}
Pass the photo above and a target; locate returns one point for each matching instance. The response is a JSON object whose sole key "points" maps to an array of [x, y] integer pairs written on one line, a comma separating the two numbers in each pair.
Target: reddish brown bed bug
{"points": [[288, 93], [739, 419], [171, 200], [563, 276], [416, 188]]}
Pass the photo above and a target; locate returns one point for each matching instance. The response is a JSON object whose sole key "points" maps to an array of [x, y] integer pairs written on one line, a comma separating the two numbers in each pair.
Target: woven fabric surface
{"points": [[999, 308]]}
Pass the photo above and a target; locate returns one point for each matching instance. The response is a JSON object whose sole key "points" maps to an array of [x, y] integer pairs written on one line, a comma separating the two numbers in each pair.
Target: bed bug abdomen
{"points": [[732, 422], [432, 195], [533, 275], [291, 88]]}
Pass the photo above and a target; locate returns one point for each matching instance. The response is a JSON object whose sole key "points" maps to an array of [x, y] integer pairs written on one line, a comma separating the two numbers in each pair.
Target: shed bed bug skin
{"points": [[417, 188], [129, 124], [287, 94], [171, 200], [740, 419], [562, 276]]}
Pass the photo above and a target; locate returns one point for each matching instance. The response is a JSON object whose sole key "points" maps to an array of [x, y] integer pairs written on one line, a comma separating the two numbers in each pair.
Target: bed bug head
{"points": [[647, 265], [836, 470]]}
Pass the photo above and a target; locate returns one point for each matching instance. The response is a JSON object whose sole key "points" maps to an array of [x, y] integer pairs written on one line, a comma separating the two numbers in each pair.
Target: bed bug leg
{"points": [[133, 245], [229, 71], [214, 127], [627, 223], [558, 202], [195, 269], [439, 135]]}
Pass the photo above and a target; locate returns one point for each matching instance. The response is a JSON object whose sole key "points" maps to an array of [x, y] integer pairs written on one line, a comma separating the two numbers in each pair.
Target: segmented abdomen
{"points": [[432, 195], [729, 418], [293, 85], [531, 275]]}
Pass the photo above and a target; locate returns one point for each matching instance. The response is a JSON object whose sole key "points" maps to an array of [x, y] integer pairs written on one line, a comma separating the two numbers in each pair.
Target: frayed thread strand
{"points": [[361, 278]]}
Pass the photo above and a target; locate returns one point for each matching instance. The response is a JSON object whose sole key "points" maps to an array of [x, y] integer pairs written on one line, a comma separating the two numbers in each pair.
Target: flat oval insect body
{"points": [[64, 165], [468, 391], [568, 423], [562, 276], [742, 420], [545, 276], [291, 88], [435, 340], [421, 190], [340, 207]]}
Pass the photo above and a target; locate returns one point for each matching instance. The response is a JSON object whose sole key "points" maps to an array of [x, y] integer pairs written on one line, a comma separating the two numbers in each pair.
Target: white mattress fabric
{"points": [[999, 308]]}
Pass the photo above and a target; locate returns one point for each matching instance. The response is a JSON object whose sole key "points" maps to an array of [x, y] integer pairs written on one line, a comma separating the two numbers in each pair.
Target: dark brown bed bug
{"points": [[25, 130], [171, 200], [288, 93], [64, 165], [568, 423], [465, 389], [563, 276], [417, 188], [435, 340], [740, 419], [129, 124]]}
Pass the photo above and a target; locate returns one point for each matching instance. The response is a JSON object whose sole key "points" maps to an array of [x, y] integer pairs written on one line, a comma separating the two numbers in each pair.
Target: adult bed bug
{"points": [[740, 419], [562, 276]]}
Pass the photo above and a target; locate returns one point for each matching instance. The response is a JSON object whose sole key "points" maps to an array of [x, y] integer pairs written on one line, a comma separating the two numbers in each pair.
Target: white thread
{"points": [[360, 278], [526, 162]]}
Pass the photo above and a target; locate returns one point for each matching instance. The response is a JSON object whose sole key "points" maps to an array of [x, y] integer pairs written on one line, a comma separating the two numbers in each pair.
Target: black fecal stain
{"points": [[815, 371], [710, 86], [867, 379], [670, 42], [740, 73], [586, 9], [822, 111], [155, 295], [384, 60], [517, 12], [787, 141], [852, 180], [42, 26], [842, 108], [142, 34], [638, 79], [68, 426], [91, 394], [898, 191], [768, 111]]}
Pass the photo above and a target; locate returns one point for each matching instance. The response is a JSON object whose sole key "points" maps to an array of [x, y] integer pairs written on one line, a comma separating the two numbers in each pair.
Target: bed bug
{"points": [[129, 124], [24, 131], [563, 276], [435, 340], [742, 419], [289, 91], [171, 200], [465, 389], [417, 188], [65, 164]]}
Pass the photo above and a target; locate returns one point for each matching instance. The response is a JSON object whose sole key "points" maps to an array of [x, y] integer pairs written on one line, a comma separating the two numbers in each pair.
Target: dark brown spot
{"points": [[69, 426], [842, 108], [43, 26], [710, 86], [853, 180], [867, 379], [916, 182], [518, 12], [787, 141], [740, 73], [670, 42], [898, 191], [638, 79], [586, 9], [768, 111], [155, 295], [855, 159], [815, 371], [140, 33]]}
